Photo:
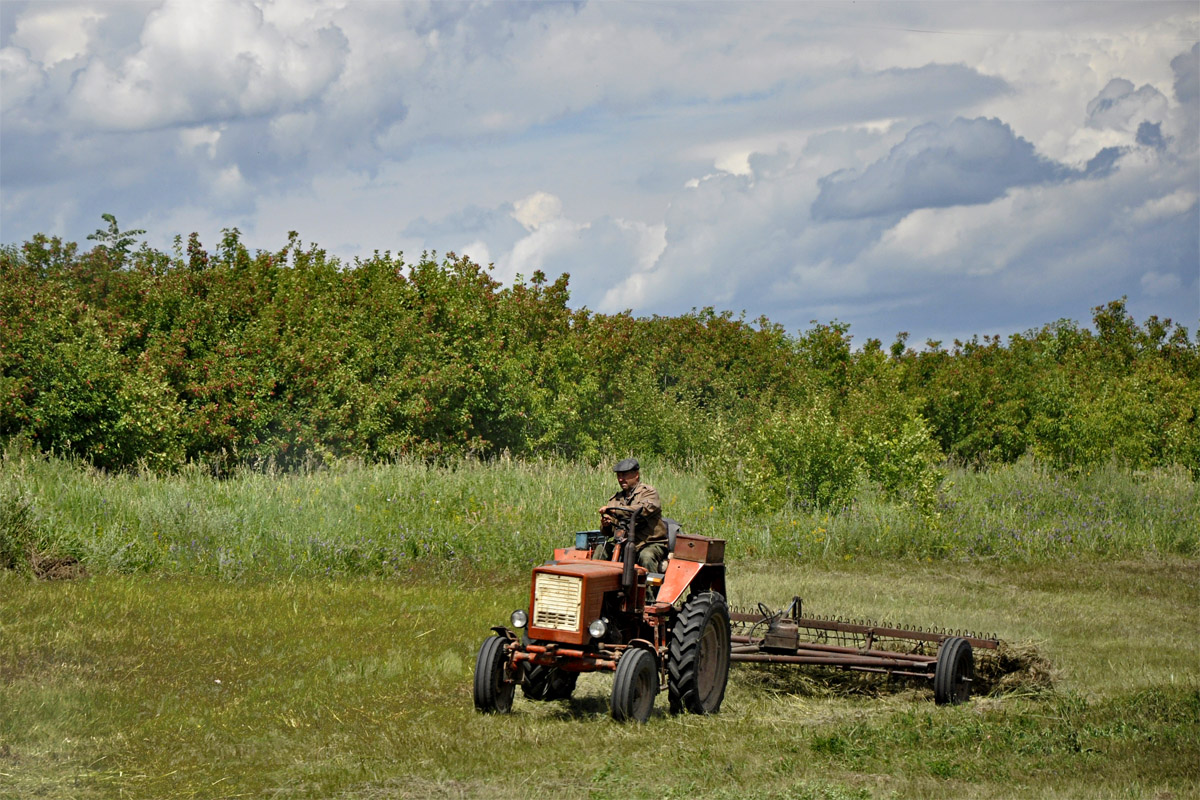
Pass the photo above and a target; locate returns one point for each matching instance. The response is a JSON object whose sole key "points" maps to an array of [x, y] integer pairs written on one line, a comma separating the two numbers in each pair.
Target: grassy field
{"points": [[150, 687], [315, 635]]}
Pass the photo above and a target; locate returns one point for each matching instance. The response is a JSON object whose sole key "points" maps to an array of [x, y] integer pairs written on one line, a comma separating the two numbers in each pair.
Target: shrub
{"points": [[789, 457], [136, 359]]}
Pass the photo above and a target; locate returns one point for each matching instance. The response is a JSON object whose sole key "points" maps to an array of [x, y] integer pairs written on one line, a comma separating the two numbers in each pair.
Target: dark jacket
{"points": [[650, 525]]}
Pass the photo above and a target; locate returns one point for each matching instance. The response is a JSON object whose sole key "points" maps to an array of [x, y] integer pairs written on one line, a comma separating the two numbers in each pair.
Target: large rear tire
{"points": [[698, 657], [634, 686], [954, 672], [493, 688], [541, 682]]}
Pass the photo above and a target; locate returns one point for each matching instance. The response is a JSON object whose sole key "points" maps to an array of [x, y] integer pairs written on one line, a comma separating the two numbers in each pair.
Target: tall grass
{"points": [[405, 516]]}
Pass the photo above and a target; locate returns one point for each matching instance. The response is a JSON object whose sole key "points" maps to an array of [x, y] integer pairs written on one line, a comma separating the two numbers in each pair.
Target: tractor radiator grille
{"points": [[556, 600]]}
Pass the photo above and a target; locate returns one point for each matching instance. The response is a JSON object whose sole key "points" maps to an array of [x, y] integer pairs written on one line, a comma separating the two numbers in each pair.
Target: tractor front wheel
{"points": [[698, 658], [493, 688], [954, 672], [634, 686]]}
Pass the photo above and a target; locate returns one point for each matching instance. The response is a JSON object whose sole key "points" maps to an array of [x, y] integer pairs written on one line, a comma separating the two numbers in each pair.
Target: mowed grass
{"points": [[360, 687]]}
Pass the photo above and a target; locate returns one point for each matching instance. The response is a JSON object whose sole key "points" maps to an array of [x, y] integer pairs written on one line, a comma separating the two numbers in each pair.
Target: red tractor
{"points": [[649, 629]]}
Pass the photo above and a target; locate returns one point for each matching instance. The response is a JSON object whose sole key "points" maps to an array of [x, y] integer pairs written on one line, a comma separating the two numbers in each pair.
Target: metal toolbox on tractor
{"points": [[689, 547]]}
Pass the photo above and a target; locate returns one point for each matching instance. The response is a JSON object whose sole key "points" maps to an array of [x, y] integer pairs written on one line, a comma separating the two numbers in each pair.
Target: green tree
{"points": [[115, 240]]}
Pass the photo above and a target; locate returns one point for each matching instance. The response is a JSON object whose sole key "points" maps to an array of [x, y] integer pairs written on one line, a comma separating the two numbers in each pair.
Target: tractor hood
{"points": [[565, 597]]}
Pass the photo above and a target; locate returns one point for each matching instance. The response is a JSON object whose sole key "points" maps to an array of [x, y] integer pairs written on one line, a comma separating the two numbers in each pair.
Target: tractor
{"points": [[649, 629], [675, 627]]}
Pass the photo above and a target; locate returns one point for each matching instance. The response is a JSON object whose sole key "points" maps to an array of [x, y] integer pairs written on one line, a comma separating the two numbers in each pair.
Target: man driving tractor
{"points": [[650, 537]]}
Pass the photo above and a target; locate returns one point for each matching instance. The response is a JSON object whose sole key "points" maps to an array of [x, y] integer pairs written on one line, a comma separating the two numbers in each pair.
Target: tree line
{"points": [[135, 358]]}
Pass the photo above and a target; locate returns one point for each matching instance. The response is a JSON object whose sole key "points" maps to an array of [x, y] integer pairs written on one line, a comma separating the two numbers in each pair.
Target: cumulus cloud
{"points": [[484, 229], [866, 161], [1174, 204], [536, 210], [965, 162], [966, 210], [19, 76], [207, 62], [1120, 106], [598, 255], [57, 32], [1186, 68]]}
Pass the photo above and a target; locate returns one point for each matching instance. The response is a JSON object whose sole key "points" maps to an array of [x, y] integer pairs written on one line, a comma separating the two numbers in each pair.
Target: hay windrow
{"points": [[1012, 667], [53, 567]]}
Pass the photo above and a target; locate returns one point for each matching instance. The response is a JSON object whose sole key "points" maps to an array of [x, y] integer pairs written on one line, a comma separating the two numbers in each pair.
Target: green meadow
{"points": [[313, 634]]}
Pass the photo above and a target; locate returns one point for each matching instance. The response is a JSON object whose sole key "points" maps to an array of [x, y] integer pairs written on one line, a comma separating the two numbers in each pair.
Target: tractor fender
{"points": [[642, 644], [500, 630], [698, 576]]}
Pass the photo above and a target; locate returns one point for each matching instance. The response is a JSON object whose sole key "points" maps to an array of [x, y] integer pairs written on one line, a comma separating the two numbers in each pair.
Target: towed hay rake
{"points": [[786, 636]]}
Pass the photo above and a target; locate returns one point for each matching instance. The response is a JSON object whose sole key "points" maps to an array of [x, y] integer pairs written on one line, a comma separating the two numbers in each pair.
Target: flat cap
{"points": [[626, 465]]}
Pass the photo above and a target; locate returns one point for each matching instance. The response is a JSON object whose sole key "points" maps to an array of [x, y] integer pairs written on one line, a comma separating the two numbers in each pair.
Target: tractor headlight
{"points": [[598, 628], [519, 618]]}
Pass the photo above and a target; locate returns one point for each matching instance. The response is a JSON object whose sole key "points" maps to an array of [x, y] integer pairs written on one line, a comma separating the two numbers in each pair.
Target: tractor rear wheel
{"points": [[493, 692], [698, 657], [634, 686], [541, 682], [954, 672]]}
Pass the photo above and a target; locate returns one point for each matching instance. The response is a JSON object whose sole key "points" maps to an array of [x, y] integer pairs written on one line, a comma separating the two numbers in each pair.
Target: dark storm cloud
{"points": [[965, 162]]}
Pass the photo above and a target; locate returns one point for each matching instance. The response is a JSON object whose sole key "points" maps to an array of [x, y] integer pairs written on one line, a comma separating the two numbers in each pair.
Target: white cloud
{"points": [[19, 77], [229, 183], [1171, 205], [478, 252], [208, 61], [203, 139], [1155, 284], [536, 210], [543, 243], [292, 132], [1120, 106], [56, 32], [735, 163]]}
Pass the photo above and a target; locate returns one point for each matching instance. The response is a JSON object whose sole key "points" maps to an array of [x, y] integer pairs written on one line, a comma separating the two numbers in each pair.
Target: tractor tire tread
{"points": [[684, 653]]}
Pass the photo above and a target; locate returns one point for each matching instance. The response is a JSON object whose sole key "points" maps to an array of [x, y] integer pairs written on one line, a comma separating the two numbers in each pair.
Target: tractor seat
{"points": [[673, 528]]}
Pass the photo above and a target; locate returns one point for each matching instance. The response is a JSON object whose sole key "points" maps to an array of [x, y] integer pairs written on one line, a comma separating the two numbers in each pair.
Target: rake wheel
{"points": [[954, 672]]}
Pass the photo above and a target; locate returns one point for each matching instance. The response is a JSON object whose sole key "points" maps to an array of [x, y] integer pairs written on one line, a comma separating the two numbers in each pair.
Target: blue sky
{"points": [[940, 168]]}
